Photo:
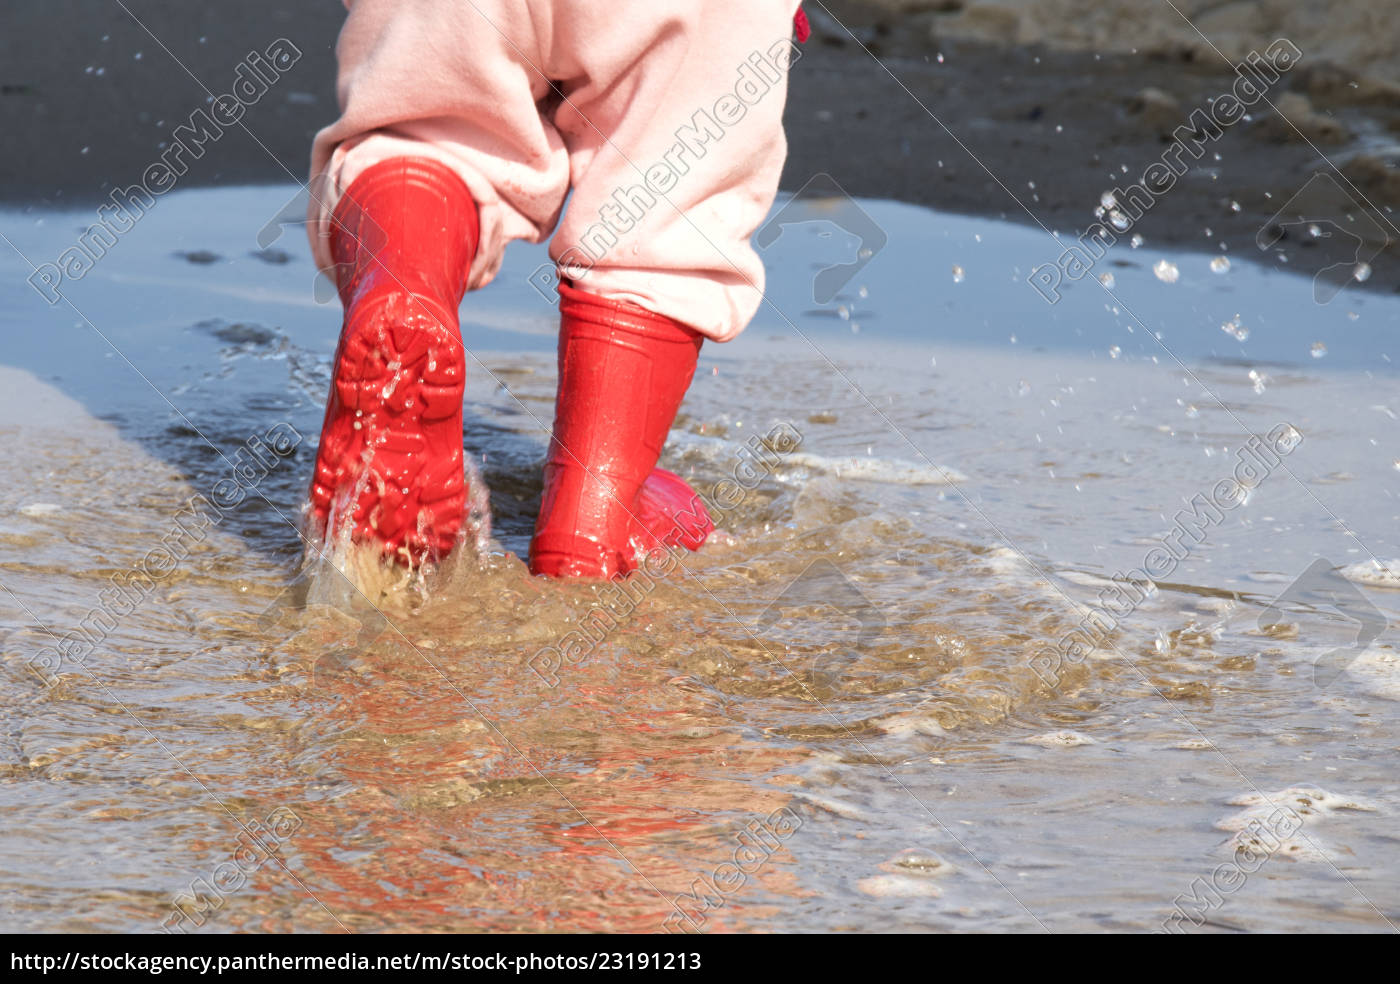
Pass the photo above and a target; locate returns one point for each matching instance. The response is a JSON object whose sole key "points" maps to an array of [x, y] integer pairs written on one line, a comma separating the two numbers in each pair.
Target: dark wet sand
{"points": [[997, 117]]}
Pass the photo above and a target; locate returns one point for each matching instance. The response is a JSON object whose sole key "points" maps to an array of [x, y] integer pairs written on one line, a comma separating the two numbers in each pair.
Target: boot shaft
{"points": [[406, 224], [623, 372]]}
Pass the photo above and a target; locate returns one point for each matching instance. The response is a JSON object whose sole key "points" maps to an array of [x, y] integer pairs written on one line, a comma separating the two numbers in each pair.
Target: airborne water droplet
{"points": [[1362, 272], [1220, 264], [1166, 271], [1235, 329], [1107, 280], [958, 274], [1318, 350]]}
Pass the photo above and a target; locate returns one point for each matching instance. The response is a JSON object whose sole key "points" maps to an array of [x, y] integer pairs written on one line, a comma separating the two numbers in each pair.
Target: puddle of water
{"points": [[863, 707]]}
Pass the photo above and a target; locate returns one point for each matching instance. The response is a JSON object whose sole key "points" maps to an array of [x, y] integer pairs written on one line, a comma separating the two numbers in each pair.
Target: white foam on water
{"points": [[1059, 739], [795, 466], [907, 723], [1216, 606], [1307, 801], [898, 887], [888, 471], [1377, 672], [38, 509], [1373, 574], [836, 807], [1293, 848], [1193, 745], [1283, 823]]}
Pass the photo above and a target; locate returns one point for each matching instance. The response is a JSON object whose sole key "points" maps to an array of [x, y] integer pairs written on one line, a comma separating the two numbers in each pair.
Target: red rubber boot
{"points": [[622, 374], [389, 467]]}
